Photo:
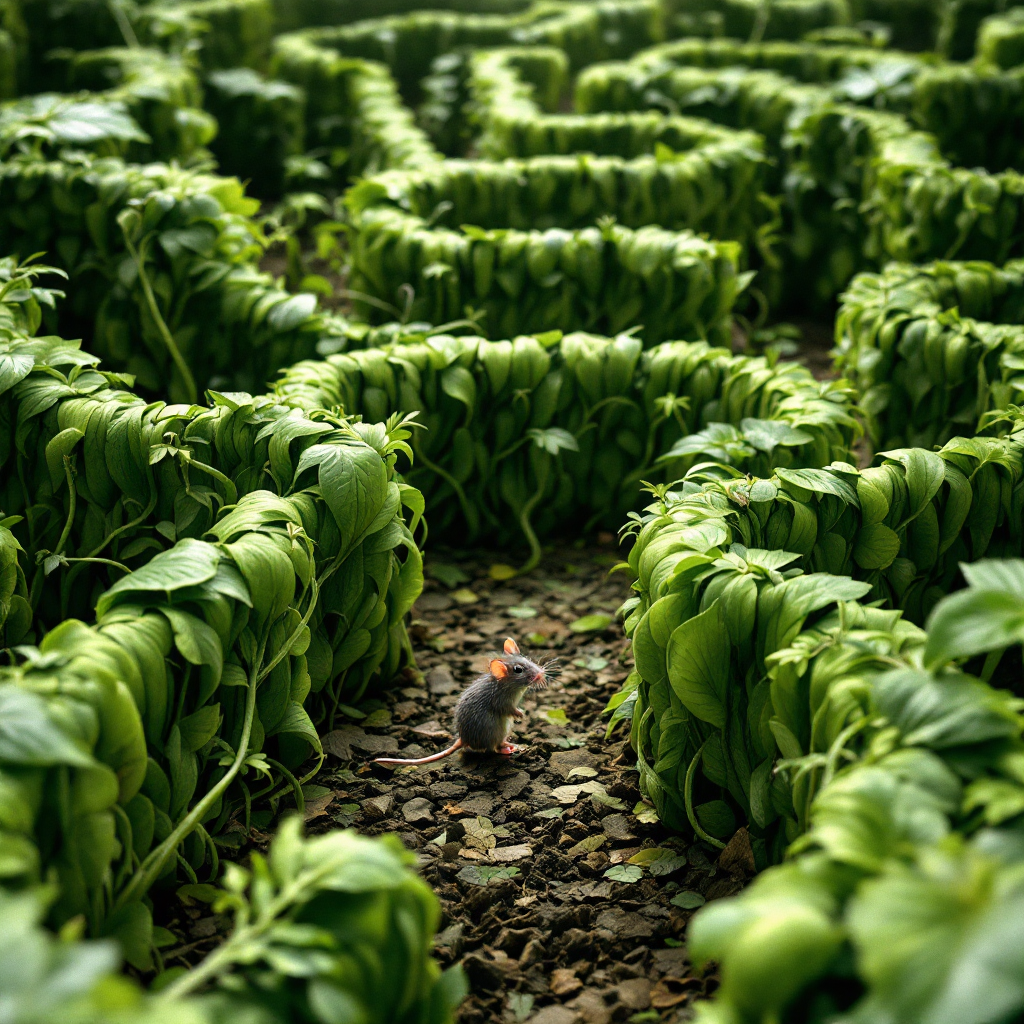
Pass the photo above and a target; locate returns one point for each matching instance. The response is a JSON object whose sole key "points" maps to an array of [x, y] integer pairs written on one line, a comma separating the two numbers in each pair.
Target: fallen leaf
{"points": [[564, 982], [520, 1003], [624, 873], [670, 992], [522, 611], [450, 575], [570, 794], [591, 623], [649, 856], [556, 716], [317, 807], [537, 639], [378, 720], [588, 845], [582, 772], [687, 900], [502, 572], [645, 813], [550, 812], [508, 854], [525, 901], [483, 874], [464, 596]]}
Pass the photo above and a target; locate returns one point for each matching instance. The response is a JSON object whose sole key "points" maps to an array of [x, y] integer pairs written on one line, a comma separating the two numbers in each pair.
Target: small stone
{"points": [[418, 811], [432, 602], [440, 681], [625, 924], [635, 993], [512, 787], [377, 807], [554, 1015], [670, 961], [432, 730], [564, 982], [478, 803], [563, 761], [343, 742], [405, 709], [447, 790], [591, 1006]]}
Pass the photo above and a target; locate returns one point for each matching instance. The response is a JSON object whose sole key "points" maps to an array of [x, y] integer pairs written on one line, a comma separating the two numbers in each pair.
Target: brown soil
{"points": [[518, 849]]}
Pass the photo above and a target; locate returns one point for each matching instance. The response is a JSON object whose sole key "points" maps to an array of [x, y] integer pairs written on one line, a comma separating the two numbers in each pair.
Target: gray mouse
{"points": [[488, 706]]}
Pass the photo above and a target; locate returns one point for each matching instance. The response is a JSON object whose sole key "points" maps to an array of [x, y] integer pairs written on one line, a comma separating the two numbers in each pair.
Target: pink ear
{"points": [[499, 669], [511, 647]]}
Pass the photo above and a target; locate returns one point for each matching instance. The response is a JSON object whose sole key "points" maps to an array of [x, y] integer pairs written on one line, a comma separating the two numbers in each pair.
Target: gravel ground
{"points": [[563, 897]]}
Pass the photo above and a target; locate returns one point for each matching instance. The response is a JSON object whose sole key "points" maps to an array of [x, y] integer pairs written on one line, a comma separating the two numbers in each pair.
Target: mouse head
{"points": [[516, 669]]}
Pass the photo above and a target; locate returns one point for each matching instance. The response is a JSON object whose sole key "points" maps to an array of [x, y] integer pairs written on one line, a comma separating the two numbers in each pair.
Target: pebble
{"points": [[418, 811], [440, 681]]}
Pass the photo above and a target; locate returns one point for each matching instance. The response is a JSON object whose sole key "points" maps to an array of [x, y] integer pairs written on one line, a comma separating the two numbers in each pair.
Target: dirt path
{"points": [[519, 851]]}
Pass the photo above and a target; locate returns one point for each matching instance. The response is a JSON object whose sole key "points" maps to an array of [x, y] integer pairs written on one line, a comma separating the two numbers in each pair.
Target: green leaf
{"points": [[591, 623], [698, 665], [876, 547], [688, 900], [200, 727], [30, 737], [624, 873], [188, 564], [481, 874]]}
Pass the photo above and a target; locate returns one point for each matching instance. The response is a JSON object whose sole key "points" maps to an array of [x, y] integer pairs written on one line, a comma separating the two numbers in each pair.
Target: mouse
{"points": [[488, 706]]}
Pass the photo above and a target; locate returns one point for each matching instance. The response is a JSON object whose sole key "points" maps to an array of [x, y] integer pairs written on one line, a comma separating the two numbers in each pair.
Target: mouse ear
{"points": [[499, 669], [511, 647]]}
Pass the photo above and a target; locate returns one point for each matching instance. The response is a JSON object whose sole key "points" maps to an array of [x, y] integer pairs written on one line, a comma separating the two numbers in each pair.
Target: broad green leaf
{"points": [[698, 665], [877, 545]]}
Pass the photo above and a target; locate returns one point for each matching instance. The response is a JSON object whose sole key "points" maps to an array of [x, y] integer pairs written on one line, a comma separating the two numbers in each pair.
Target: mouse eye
{"points": [[518, 668]]}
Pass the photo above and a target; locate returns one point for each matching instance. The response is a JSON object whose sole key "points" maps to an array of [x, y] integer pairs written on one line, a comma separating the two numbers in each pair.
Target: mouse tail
{"points": [[421, 760]]}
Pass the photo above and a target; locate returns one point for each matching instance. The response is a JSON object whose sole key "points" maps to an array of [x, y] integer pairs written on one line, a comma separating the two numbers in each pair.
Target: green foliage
{"points": [[518, 249], [261, 124], [906, 874], [533, 434], [356, 122], [101, 480], [408, 44], [1001, 39], [933, 350], [166, 285], [325, 928]]}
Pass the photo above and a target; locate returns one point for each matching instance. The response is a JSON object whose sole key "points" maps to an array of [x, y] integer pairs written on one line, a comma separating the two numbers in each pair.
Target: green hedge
{"points": [[530, 259], [408, 44], [933, 350], [1001, 39], [897, 901], [536, 435], [261, 123], [96, 472], [232, 327], [359, 898], [220, 33], [296, 14], [509, 111], [733, 567], [355, 119], [160, 93], [740, 19]]}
